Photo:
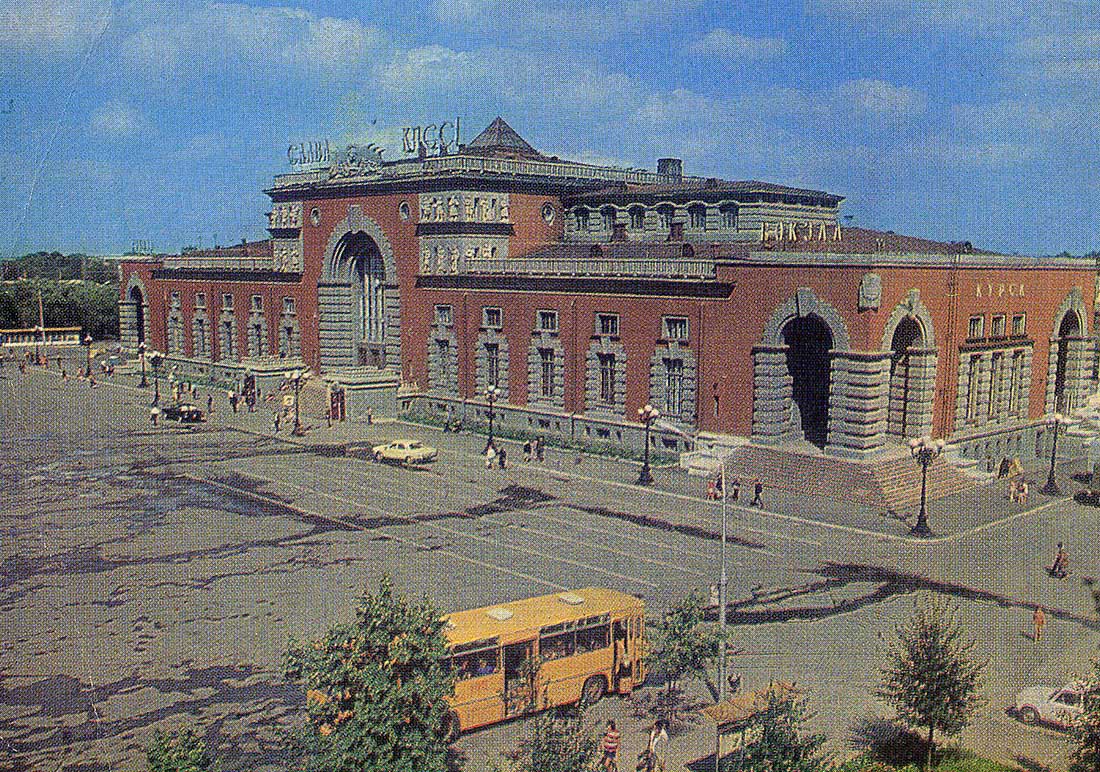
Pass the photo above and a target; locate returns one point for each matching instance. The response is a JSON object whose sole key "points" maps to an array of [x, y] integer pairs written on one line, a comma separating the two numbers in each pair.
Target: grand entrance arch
{"points": [[1069, 373], [138, 301], [358, 305], [133, 313], [808, 342]]}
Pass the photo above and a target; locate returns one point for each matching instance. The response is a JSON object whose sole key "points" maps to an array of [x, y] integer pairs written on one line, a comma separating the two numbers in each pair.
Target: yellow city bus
{"points": [[520, 657]]}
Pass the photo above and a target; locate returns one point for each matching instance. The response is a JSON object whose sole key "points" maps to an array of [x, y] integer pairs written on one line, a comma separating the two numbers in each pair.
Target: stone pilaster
{"points": [[858, 401], [773, 413]]}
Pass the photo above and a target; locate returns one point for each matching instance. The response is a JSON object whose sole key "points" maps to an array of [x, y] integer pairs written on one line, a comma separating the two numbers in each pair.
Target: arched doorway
{"points": [[1069, 332], [353, 319], [908, 338], [138, 300], [809, 341]]}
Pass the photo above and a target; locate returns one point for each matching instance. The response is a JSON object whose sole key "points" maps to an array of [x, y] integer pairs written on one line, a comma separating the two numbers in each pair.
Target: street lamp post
{"points": [[295, 378], [648, 415], [925, 450], [88, 345], [39, 334], [155, 361], [1051, 488], [491, 395], [141, 352], [723, 583]]}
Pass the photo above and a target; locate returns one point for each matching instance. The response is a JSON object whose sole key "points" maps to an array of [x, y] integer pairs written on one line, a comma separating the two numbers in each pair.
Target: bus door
{"points": [[637, 643], [625, 653], [519, 678]]}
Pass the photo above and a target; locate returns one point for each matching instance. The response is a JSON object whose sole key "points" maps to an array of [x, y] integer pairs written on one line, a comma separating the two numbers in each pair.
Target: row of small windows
{"points": [[997, 326], [256, 302], [666, 213], [492, 318]]}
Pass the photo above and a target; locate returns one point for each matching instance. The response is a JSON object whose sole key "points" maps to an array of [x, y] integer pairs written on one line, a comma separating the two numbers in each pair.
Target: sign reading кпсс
{"points": [[434, 139]]}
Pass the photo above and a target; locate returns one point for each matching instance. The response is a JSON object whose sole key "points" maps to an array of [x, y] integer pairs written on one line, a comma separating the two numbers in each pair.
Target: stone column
{"points": [[858, 402], [773, 416]]}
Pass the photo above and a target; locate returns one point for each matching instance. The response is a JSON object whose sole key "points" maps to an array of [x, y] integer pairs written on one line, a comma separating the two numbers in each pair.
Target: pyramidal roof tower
{"points": [[501, 141]]}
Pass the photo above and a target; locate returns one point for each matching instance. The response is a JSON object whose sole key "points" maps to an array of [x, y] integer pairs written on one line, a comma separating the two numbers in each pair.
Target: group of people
{"points": [[532, 450], [714, 490], [1018, 490], [651, 759]]}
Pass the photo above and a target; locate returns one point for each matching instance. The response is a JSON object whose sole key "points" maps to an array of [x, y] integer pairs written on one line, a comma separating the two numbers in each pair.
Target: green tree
{"points": [[376, 689], [563, 742], [931, 678], [782, 743], [684, 647], [181, 751], [1086, 729]]}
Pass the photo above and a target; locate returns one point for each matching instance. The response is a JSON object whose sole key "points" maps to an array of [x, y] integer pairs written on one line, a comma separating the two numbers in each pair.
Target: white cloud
{"points": [[880, 99], [116, 120], [722, 43], [46, 26], [1061, 57], [271, 40], [462, 10]]}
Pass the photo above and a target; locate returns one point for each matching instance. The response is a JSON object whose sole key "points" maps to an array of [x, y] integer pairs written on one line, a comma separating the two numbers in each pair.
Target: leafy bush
{"points": [[179, 751]]}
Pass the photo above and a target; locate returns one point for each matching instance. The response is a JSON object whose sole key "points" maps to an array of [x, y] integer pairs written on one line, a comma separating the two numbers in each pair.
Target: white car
{"points": [[1057, 705]]}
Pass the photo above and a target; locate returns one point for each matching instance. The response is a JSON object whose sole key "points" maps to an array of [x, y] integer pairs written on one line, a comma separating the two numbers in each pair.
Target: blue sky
{"points": [[975, 119]]}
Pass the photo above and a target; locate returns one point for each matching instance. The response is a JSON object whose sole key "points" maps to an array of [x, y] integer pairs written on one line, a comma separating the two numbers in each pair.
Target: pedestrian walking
{"points": [[58, 362], [1039, 621], [275, 421], [154, 415], [1022, 492], [712, 490], [735, 490], [1059, 569], [91, 381], [1013, 490], [526, 451], [370, 416], [210, 404], [654, 756], [232, 395], [611, 739], [490, 456], [502, 457], [757, 493], [540, 450]]}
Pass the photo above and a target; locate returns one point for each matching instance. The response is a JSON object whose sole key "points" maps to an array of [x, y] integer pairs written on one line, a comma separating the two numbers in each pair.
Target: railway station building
{"points": [[741, 310]]}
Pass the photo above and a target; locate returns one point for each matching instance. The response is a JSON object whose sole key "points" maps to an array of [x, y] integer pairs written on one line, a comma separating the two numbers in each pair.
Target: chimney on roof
{"points": [[673, 167]]}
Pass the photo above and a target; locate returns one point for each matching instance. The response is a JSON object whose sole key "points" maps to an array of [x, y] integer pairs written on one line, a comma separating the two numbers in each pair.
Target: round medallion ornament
{"points": [[403, 210], [548, 212], [315, 216]]}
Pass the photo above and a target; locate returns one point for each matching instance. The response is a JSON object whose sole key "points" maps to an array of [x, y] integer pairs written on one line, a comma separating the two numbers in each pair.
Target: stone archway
{"points": [[909, 341], [1069, 358], [133, 315], [808, 342], [357, 295]]}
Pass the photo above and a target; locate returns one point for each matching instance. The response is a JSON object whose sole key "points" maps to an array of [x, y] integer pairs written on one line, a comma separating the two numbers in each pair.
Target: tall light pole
{"points": [[39, 333], [491, 395], [141, 352], [925, 450], [723, 582], [88, 345], [648, 415], [155, 361], [1055, 420], [295, 379]]}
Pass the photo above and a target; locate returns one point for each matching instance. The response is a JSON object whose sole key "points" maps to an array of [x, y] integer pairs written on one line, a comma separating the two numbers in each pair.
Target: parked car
{"points": [[405, 452], [1052, 705], [185, 413]]}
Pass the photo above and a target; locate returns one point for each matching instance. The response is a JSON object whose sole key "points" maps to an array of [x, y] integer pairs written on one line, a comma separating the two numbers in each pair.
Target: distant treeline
{"points": [[76, 291]]}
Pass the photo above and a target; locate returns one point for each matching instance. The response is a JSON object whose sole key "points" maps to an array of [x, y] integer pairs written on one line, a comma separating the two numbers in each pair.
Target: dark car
{"points": [[185, 413]]}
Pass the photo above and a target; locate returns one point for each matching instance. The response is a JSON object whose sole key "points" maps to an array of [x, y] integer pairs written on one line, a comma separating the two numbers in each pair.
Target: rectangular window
{"points": [[1015, 382], [175, 300], [257, 303], [607, 324], [697, 217], [200, 338], [443, 352], [444, 316], [608, 216], [227, 302], [607, 378], [492, 364], [674, 386], [665, 213], [675, 327], [227, 338], [996, 373], [548, 321], [637, 218], [546, 372], [582, 219], [729, 216], [288, 306], [976, 328], [1019, 324], [972, 387], [492, 318], [475, 664], [200, 300], [997, 326], [593, 638]]}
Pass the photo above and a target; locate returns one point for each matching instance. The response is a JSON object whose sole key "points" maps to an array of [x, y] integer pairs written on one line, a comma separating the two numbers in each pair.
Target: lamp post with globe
{"points": [[491, 395], [925, 450], [295, 378], [648, 415], [39, 335], [155, 361], [1055, 421], [141, 353], [88, 365]]}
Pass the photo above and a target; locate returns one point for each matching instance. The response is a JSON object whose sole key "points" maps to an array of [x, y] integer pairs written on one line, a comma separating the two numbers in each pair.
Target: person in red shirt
{"points": [[611, 740]]}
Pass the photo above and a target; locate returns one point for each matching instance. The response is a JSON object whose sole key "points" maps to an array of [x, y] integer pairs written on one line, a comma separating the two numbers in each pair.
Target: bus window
{"points": [[557, 646], [593, 638], [475, 664]]}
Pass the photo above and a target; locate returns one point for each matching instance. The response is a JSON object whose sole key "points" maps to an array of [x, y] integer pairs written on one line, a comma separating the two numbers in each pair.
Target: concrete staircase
{"points": [[891, 481]]}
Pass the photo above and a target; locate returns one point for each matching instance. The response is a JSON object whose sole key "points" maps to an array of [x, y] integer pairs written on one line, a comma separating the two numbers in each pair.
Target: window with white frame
{"points": [[444, 316], [976, 327], [607, 215], [288, 306], [674, 386], [547, 321], [200, 301], [665, 212], [697, 216], [729, 216], [637, 218], [547, 373], [257, 303], [492, 364], [997, 326], [581, 215], [607, 378], [1019, 324], [492, 318], [675, 327], [227, 302], [607, 324]]}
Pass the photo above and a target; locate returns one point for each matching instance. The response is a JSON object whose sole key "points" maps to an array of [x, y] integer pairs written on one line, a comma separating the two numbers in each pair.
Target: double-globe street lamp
{"points": [[925, 450], [295, 378], [1055, 421], [648, 415], [141, 352], [155, 361], [88, 366], [491, 394]]}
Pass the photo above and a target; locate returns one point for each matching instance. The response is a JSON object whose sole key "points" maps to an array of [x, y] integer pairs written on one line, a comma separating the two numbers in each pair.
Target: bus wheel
{"points": [[451, 727], [594, 688]]}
